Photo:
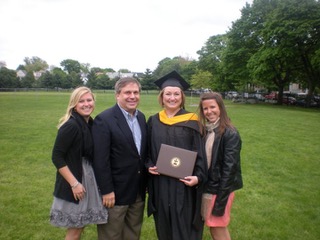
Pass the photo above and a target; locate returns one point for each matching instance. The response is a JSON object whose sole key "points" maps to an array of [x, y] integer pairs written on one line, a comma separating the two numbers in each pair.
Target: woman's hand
{"points": [[153, 170], [77, 188], [78, 191], [190, 180]]}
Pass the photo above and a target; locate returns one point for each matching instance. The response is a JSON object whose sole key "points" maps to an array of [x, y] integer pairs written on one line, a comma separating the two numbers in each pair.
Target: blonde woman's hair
{"points": [[74, 99]]}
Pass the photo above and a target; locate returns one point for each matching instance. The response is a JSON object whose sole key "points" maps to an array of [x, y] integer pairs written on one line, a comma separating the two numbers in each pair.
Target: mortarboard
{"points": [[172, 79]]}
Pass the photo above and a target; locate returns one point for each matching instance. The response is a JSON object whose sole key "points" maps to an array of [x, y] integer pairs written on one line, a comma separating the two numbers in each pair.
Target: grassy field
{"points": [[280, 164]]}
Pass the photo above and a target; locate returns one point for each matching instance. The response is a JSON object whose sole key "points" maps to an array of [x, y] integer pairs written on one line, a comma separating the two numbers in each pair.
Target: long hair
{"points": [[224, 119], [74, 99], [183, 98]]}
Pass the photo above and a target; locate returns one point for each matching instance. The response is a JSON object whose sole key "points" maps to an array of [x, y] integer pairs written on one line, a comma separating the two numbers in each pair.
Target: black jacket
{"points": [[224, 174], [118, 166], [68, 151]]}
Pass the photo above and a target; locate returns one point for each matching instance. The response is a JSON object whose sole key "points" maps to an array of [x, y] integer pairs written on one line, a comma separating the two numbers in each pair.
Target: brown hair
{"points": [[224, 119], [122, 82], [183, 98]]}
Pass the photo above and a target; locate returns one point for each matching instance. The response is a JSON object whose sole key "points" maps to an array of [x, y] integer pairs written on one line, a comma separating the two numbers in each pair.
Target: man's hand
{"points": [[109, 200]]}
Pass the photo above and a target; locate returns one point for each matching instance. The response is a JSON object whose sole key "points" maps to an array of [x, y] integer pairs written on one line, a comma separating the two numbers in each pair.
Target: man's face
{"points": [[129, 97]]}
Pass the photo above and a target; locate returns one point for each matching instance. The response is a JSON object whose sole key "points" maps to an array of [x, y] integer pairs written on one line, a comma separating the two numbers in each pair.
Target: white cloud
{"points": [[116, 34]]}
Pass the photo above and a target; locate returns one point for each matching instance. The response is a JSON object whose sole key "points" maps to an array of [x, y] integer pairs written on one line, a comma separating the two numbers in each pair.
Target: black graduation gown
{"points": [[175, 206]]}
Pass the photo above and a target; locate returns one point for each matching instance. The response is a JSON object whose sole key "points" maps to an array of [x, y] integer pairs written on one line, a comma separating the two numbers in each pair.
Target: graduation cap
{"points": [[172, 79]]}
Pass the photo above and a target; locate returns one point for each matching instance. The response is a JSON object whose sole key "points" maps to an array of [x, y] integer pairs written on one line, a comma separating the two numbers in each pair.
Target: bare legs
{"points": [[220, 233], [74, 233]]}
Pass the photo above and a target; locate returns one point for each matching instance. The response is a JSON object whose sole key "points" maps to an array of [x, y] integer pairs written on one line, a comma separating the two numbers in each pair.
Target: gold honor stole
{"points": [[177, 119]]}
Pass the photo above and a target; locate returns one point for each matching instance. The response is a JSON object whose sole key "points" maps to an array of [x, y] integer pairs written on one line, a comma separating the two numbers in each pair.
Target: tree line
{"points": [[273, 43]]}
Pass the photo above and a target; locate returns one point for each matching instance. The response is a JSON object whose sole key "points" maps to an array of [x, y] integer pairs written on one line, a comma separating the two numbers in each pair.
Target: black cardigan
{"points": [[67, 151]]}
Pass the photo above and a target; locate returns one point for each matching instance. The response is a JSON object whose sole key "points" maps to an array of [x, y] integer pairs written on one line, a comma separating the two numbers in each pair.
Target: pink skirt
{"points": [[208, 201]]}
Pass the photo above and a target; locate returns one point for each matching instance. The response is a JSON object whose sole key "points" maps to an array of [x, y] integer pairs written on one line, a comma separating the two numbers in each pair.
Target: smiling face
{"points": [[85, 106], [211, 110], [172, 98], [128, 98]]}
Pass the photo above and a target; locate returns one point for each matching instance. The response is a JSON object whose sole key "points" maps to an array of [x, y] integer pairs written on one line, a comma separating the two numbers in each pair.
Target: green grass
{"points": [[280, 164]]}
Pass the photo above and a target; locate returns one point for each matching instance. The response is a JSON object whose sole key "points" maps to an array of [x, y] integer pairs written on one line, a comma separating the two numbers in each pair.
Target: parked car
{"points": [[232, 94], [271, 96], [259, 96], [200, 91], [289, 100], [302, 102]]}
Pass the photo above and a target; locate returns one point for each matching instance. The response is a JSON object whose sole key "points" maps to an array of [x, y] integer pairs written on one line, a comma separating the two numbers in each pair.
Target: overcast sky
{"points": [[130, 34]]}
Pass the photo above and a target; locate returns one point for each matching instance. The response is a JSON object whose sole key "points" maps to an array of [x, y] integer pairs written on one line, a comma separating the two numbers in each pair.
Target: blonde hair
{"points": [[74, 99], [183, 98]]}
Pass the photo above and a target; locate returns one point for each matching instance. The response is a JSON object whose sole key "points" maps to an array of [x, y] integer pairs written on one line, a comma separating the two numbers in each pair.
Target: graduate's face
{"points": [[85, 106], [211, 110], [129, 97], [172, 98]]}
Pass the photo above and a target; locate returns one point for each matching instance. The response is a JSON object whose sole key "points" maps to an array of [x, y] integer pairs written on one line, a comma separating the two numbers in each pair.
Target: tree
{"points": [[202, 79], [210, 55], [274, 43], [295, 33], [291, 39], [85, 69], [35, 64], [212, 60], [109, 70], [242, 42], [70, 66], [21, 67], [28, 81], [103, 82], [185, 67], [124, 70], [74, 79], [46, 80], [60, 79], [268, 66], [165, 66], [8, 78], [147, 81], [188, 67], [93, 75]]}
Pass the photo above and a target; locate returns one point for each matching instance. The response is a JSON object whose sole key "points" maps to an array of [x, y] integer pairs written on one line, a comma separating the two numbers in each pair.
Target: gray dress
{"points": [[88, 211]]}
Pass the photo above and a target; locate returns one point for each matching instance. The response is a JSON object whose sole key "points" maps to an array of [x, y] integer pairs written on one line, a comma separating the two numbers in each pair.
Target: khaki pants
{"points": [[124, 222]]}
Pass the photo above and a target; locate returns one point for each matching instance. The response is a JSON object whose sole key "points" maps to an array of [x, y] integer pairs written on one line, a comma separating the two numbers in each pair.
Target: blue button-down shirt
{"points": [[133, 123]]}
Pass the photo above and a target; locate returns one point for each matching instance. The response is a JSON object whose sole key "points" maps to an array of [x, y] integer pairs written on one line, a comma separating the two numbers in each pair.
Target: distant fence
{"points": [[67, 90], [34, 90], [188, 93]]}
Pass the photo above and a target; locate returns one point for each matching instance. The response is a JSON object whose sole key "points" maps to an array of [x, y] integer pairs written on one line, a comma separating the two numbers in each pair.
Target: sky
{"points": [[117, 34]]}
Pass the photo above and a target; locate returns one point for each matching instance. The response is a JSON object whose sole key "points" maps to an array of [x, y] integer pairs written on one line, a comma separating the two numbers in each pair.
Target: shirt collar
{"points": [[127, 114]]}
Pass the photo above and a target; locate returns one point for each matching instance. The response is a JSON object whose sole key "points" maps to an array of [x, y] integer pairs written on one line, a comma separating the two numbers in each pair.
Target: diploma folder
{"points": [[175, 162]]}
